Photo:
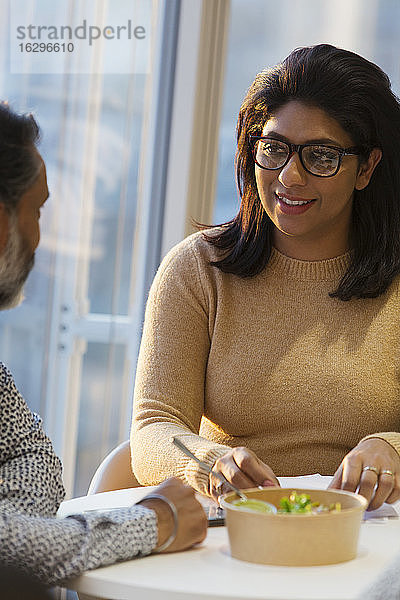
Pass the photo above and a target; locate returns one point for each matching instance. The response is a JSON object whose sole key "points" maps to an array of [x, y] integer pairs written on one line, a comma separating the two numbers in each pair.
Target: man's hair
{"points": [[358, 95], [19, 163]]}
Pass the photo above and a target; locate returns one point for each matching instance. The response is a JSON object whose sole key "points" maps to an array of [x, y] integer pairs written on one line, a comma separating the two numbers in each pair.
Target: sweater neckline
{"points": [[319, 270]]}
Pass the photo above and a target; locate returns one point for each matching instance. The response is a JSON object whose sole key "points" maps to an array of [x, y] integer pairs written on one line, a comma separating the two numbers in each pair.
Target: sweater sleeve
{"points": [[30, 472], [170, 377], [391, 437], [57, 549]]}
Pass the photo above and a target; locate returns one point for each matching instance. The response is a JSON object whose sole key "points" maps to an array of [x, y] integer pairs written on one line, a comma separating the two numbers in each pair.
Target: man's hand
{"points": [[243, 468], [192, 520], [373, 466]]}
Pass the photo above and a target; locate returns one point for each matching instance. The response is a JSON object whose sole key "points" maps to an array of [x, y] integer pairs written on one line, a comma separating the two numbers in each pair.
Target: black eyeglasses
{"points": [[317, 159]]}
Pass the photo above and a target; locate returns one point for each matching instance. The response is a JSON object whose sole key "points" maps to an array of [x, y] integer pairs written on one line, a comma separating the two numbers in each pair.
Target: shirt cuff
{"points": [[197, 477], [391, 437]]}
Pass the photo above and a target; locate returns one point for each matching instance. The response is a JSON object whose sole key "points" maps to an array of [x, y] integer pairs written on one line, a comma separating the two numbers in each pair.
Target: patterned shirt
{"points": [[31, 490]]}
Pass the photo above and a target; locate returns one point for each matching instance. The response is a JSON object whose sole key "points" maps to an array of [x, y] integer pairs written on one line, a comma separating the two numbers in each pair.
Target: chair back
{"points": [[114, 472]]}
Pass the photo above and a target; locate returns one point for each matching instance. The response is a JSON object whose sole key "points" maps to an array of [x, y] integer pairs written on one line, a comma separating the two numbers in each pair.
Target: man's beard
{"points": [[16, 262]]}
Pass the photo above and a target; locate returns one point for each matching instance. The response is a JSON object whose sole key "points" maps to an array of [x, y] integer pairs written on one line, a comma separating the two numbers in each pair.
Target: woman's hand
{"points": [[371, 463], [241, 467], [192, 520]]}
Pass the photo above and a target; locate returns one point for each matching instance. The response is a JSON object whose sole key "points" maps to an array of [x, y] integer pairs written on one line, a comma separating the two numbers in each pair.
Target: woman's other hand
{"points": [[243, 468], [373, 466], [192, 520]]}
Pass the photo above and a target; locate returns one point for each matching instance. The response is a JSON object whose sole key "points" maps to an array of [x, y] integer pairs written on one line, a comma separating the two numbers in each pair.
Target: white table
{"points": [[209, 573]]}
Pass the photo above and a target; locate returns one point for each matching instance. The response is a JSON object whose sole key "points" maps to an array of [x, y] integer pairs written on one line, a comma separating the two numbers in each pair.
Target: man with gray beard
{"points": [[15, 265], [31, 488]]}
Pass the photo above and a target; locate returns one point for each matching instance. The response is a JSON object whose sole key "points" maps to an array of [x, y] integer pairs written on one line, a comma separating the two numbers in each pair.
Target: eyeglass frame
{"points": [[352, 151]]}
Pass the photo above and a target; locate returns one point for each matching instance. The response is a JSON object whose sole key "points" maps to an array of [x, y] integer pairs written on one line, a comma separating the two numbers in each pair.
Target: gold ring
{"points": [[387, 472], [374, 469]]}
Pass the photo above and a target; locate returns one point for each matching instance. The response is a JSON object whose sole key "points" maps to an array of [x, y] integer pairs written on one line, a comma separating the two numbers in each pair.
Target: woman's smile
{"points": [[292, 205]]}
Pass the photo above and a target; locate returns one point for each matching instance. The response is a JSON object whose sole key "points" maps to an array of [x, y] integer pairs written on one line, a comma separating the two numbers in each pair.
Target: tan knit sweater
{"points": [[269, 362]]}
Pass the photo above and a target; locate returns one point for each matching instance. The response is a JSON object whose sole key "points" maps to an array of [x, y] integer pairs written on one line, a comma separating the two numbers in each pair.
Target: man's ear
{"points": [[367, 168], [3, 226]]}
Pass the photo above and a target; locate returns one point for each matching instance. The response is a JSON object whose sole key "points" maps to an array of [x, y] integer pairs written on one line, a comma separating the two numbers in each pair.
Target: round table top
{"points": [[208, 572]]}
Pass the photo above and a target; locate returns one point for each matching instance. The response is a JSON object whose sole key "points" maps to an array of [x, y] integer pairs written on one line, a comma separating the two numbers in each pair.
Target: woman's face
{"points": [[318, 229]]}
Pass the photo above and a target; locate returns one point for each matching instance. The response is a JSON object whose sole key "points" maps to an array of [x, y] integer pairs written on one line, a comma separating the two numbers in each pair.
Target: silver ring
{"points": [[387, 472], [374, 469]]}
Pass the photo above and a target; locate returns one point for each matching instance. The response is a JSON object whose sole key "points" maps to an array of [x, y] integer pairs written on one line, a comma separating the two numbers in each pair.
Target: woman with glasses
{"points": [[271, 344]]}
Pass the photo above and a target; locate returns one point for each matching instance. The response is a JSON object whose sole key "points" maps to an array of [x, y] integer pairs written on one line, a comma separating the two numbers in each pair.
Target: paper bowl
{"points": [[295, 539]]}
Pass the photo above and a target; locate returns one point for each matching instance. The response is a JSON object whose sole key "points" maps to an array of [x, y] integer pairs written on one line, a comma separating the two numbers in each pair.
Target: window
{"points": [[131, 160], [261, 34], [79, 329]]}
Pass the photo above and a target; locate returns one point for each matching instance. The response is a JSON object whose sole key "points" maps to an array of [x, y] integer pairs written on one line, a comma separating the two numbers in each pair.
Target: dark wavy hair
{"points": [[19, 163], [358, 95]]}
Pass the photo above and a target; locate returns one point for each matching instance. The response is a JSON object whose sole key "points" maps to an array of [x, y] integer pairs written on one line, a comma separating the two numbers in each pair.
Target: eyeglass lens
{"points": [[317, 159]]}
